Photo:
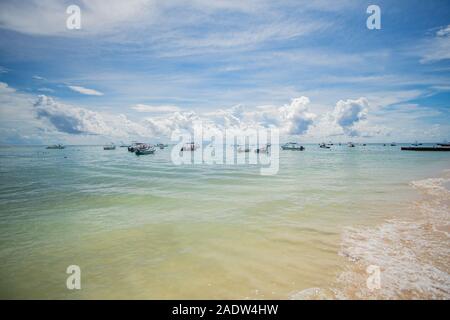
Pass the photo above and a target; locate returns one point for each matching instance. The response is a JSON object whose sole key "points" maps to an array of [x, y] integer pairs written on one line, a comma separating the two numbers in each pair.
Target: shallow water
{"points": [[141, 227]]}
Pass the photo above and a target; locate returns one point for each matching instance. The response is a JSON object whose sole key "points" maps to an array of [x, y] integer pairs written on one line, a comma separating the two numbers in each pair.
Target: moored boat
{"points": [[145, 149], [134, 146], [434, 148], [56, 146], [292, 146], [191, 146], [111, 146], [323, 146]]}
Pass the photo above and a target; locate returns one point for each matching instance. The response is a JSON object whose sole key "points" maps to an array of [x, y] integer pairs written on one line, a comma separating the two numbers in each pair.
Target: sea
{"points": [[369, 222]]}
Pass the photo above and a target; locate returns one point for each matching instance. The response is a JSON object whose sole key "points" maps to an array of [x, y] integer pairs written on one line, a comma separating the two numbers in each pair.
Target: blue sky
{"points": [[141, 69]]}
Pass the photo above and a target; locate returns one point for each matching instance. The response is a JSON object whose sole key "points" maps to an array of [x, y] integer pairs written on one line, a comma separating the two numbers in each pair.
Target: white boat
{"points": [[323, 146], [111, 146], [145, 149], [292, 146]]}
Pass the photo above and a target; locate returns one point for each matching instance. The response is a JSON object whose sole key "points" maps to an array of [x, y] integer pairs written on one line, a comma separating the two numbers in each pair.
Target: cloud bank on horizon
{"points": [[143, 69]]}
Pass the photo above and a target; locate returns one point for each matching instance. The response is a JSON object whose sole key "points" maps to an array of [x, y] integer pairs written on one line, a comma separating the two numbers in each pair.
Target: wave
{"points": [[412, 254]]}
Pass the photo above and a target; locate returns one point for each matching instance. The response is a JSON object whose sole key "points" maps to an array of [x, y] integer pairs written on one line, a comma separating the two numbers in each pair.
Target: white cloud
{"points": [[45, 90], [86, 91], [443, 32], [437, 48], [80, 121], [36, 77], [155, 109]]}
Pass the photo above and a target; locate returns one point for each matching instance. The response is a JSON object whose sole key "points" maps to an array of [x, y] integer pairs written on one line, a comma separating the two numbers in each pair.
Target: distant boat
{"points": [[123, 145], [191, 146], [323, 146], [393, 144], [162, 145], [415, 144], [351, 144], [263, 149], [145, 149], [292, 146], [134, 146], [243, 149], [444, 144], [111, 146], [56, 146]]}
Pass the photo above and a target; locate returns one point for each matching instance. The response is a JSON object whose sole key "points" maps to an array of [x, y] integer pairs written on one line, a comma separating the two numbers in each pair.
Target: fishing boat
{"points": [[56, 146], [292, 146], [191, 146], [323, 146], [111, 146], [145, 149]]}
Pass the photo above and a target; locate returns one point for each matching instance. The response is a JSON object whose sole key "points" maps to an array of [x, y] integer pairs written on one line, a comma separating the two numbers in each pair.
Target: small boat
{"points": [[323, 146], [292, 146], [134, 146], [56, 146], [416, 144], [145, 149], [243, 149], [123, 145], [351, 145], [162, 145], [393, 144], [191, 146], [263, 149], [109, 147]]}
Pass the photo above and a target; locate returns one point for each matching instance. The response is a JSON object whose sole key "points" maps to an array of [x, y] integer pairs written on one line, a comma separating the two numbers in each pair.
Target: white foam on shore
{"points": [[413, 254]]}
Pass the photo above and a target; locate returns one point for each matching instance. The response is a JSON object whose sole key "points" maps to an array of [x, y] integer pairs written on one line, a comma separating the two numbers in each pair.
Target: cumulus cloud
{"points": [[155, 109], [347, 113], [348, 118], [77, 121], [87, 91]]}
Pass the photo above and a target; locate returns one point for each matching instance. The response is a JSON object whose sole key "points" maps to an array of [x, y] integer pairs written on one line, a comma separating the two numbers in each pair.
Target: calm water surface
{"points": [[141, 227]]}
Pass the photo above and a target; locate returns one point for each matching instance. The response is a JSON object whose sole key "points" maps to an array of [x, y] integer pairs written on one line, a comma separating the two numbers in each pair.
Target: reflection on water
{"points": [[140, 227]]}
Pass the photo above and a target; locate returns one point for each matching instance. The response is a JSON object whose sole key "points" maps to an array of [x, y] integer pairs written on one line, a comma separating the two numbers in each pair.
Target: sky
{"points": [[144, 69]]}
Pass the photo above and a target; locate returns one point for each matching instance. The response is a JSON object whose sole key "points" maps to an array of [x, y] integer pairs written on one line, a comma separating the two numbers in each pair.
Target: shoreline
{"points": [[411, 252]]}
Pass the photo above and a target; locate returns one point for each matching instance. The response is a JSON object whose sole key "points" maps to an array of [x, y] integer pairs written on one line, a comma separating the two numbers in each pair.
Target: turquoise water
{"points": [[142, 227]]}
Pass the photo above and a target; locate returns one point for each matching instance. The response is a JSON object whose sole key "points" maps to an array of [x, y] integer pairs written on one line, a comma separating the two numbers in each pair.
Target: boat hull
{"points": [[426, 148]]}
